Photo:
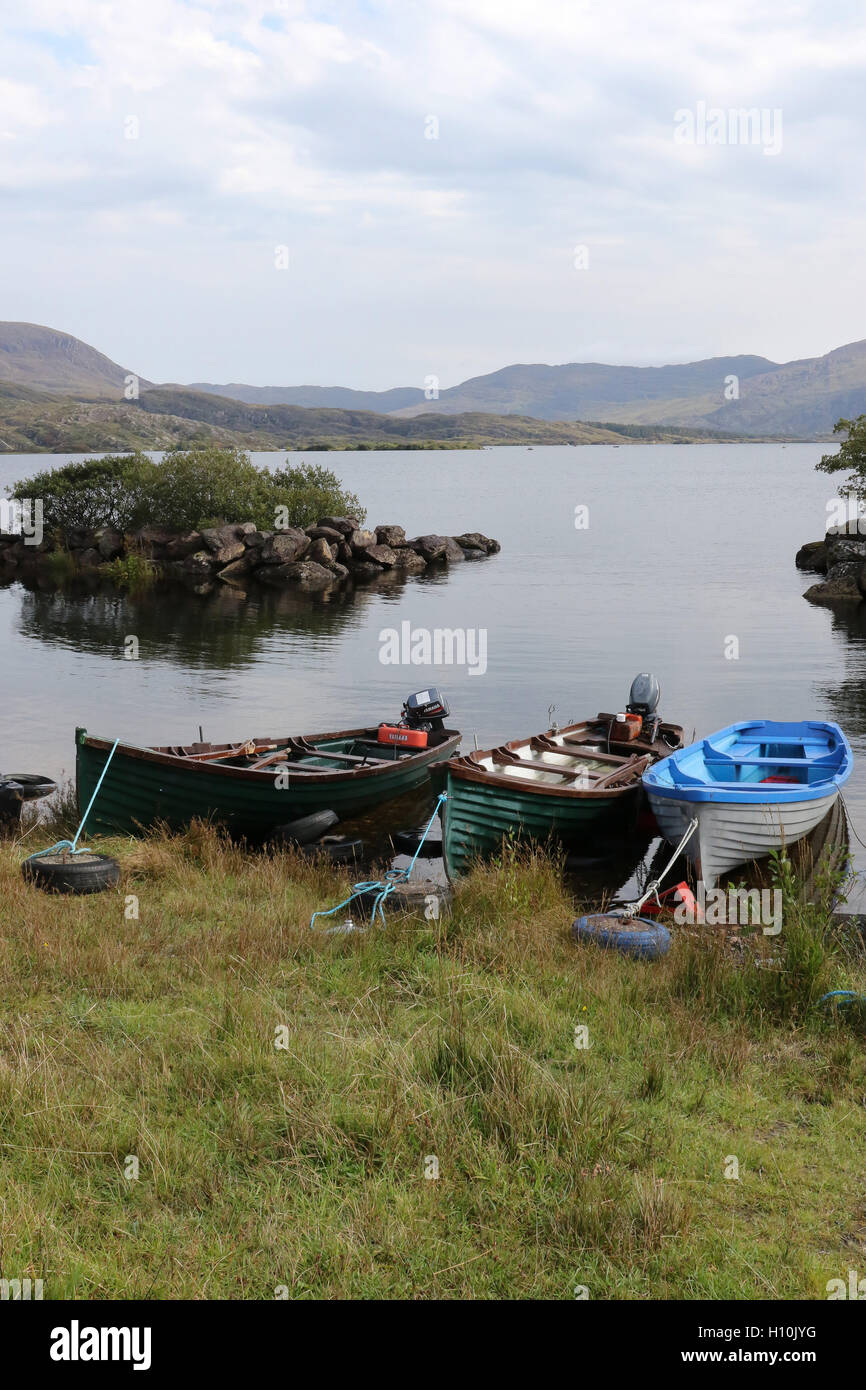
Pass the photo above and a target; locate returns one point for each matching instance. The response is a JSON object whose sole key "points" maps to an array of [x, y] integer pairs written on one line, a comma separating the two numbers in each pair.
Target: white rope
{"points": [[632, 909]]}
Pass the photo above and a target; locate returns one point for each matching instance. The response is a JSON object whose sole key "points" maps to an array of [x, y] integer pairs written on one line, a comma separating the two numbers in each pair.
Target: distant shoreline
{"points": [[256, 446]]}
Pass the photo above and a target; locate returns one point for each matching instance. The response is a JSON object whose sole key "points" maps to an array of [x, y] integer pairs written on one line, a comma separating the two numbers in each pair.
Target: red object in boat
{"points": [[627, 728], [779, 779], [407, 738]]}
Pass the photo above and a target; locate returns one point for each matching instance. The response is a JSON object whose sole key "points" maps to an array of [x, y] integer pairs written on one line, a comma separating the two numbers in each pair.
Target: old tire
{"points": [[339, 849], [306, 829], [407, 841], [80, 873], [634, 936], [25, 786]]}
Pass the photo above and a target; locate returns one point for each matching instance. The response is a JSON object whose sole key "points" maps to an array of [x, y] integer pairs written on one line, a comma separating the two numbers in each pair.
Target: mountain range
{"points": [[738, 395], [744, 395]]}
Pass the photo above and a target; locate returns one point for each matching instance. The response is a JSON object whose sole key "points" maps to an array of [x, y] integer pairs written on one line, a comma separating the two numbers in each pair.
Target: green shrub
{"points": [[132, 572], [193, 486], [110, 491], [310, 491], [186, 490]]}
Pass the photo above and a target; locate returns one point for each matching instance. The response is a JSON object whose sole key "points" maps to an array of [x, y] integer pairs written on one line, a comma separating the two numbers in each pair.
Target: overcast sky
{"points": [[155, 155]]}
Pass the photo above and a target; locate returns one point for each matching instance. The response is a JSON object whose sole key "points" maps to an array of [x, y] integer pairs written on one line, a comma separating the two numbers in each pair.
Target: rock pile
{"points": [[841, 558], [333, 551]]}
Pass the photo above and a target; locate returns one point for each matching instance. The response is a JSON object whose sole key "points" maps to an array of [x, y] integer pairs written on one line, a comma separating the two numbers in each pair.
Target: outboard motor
{"points": [[426, 710], [423, 714], [643, 699]]}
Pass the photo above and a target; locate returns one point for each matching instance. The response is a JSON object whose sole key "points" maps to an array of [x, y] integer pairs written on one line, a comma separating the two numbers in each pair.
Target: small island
{"points": [[208, 515]]}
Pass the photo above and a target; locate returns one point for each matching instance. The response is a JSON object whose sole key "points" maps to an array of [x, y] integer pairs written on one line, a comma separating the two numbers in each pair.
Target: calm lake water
{"points": [[687, 547]]}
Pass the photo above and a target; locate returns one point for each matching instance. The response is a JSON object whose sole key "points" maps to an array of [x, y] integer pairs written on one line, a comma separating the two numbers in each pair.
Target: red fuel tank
{"points": [[407, 738]]}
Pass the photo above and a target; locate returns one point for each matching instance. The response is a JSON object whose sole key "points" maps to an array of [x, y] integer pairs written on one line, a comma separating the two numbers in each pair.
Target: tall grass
{"points": [[285, 1095]]}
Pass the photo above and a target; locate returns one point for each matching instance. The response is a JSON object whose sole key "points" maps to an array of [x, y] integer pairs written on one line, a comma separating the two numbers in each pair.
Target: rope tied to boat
{"points": [[652, 889], [843, 996], [386, 885], [70, 845]]}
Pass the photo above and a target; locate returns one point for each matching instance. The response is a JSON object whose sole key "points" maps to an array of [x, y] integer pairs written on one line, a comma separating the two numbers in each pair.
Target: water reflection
{"points": [[846, 695], [224, 629]]}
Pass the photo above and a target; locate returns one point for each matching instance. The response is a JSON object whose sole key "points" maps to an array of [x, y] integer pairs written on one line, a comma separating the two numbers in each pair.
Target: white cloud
{"points": [[271, 121]]}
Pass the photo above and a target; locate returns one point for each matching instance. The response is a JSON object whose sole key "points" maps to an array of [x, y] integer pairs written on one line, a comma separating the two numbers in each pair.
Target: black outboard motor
{"points": [[427, 710], [643, 699]]}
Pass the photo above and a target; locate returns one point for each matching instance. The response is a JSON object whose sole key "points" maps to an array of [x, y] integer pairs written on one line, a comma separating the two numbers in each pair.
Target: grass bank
{"points": [[303, 1168]]}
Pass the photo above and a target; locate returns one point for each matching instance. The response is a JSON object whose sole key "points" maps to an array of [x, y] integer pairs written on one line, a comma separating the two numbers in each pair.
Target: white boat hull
{"points": [[730, 833]]}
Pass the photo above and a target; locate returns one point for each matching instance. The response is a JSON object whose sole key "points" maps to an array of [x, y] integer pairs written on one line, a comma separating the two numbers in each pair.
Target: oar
{"points": [[248, 750]]}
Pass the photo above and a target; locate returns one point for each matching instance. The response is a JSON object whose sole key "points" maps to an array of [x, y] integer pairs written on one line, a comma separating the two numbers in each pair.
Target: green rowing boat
{"points": [[530, 789], [251, 787], [558, 786]]}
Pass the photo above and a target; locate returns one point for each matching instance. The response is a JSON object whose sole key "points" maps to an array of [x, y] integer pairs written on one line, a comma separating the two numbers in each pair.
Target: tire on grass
{"points": [[67, 873], [634, 936]]}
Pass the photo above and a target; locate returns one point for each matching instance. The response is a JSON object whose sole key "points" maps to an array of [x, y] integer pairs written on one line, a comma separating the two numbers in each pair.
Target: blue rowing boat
{"points": [[753, 787]]}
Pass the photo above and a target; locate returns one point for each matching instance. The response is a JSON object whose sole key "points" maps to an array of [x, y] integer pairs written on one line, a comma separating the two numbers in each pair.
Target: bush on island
{"points": [[185, 490]]}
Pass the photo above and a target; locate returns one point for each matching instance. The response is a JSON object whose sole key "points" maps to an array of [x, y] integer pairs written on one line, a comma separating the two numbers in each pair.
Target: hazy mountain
{"points": [[47, 360], [293, 427], [48, 422], [317, 397], [802, 398], [586, 390]]}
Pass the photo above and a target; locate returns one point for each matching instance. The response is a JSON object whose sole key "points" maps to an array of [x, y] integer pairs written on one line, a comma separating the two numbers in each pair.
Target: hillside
{"points": [[39, 421], [297, 424], [800, 399], [591, 390], [47, 360], [316, 397], [542, 404]]}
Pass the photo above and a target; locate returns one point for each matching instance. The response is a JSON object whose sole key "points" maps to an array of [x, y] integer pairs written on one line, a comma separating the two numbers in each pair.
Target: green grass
{"points": [[133, 572], [304, 1168]]}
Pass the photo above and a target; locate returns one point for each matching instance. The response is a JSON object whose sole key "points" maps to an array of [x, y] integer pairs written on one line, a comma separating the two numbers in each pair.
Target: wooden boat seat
{"points": [[503, 757], [628, 772], [363, 758], [536, 770], [274, 759], [544, 741], [301, 745]]}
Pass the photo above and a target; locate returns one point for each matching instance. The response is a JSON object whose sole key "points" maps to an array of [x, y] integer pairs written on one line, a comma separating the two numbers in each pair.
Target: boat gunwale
{"points": [[751, 793], [178, 762]]}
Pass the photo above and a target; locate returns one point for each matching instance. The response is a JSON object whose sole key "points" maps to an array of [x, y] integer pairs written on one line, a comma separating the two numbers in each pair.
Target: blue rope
{"points": [[845, 996], [382, 887], [70, 844]]}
